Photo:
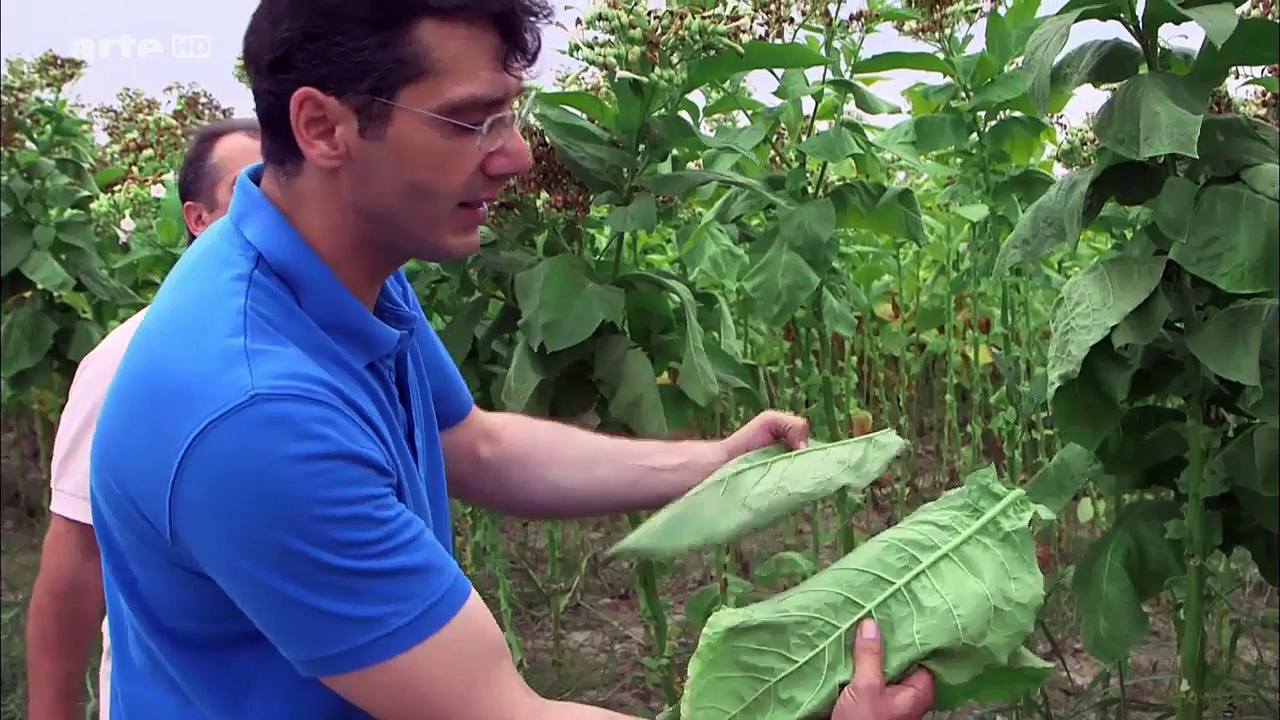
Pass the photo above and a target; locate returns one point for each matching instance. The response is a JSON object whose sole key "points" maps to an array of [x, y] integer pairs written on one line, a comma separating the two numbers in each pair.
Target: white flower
{"points": [[127, 224], [158, 191]]}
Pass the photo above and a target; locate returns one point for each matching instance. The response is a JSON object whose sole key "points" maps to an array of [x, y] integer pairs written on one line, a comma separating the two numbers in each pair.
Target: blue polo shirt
{"points": [[267, 483]]}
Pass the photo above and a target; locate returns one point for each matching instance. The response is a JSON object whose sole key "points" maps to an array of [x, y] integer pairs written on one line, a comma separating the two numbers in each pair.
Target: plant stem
{"points": [[1191, 650]]}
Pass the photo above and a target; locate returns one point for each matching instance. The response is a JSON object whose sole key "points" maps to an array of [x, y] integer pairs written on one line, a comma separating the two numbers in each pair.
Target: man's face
{"points": [[424, 183], [231, 154]]}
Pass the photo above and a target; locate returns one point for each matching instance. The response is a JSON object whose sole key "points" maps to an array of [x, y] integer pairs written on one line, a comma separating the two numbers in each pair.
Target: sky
{"points": [[148, 44]]}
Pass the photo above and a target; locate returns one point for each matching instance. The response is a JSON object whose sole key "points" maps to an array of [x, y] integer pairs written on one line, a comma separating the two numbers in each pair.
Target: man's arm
{"points": [[64, 617], [346, 582], [63, 620], [531, 467]]}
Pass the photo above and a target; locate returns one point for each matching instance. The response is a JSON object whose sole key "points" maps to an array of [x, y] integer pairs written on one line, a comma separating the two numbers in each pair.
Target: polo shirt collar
{"points": [[363, 335]]}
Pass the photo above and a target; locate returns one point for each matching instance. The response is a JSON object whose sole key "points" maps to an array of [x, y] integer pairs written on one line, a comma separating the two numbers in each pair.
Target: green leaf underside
{"points": [[758, 489], [923, 582], [1091, 304]]}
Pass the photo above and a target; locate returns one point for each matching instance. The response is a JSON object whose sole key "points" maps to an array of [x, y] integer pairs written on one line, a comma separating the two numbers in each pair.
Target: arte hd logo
{"points": [[128, 47]]}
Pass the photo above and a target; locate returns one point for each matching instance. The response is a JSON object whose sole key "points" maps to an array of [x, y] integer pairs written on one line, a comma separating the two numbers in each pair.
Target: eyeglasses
{"points": [[491, 134]]}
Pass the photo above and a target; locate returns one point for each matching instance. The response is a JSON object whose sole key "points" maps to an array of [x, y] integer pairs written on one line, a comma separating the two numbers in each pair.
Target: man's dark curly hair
{"points": [[355, 50]]}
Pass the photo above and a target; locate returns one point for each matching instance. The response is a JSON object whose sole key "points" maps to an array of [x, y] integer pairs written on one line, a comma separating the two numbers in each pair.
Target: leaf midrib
{"points": [[938, 555]]}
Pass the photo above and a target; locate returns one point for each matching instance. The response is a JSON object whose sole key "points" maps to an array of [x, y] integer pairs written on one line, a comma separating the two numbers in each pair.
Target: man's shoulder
{"points": [[204, 347]]}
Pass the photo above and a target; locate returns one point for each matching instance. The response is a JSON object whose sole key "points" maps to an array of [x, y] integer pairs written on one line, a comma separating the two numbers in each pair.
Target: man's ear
{"points": [[194, 214]]}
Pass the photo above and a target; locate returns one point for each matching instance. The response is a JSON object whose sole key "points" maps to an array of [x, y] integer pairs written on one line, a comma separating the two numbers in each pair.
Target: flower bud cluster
{"points": [[654, 45], [564, 192]]}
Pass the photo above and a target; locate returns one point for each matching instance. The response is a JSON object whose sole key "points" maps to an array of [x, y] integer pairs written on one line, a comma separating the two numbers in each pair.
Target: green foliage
{"points": [[1164, 353]]}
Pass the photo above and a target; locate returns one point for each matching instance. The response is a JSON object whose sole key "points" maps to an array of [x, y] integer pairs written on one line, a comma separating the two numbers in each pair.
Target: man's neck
{"points": [[332, 234]]}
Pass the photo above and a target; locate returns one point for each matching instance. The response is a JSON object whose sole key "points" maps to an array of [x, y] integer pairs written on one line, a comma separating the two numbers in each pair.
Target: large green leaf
{"points": [[523, 379], [1017, 139], [16, 242], [1230, 144], [1003, 91], [697, 377], [682, 182], [1097, 62], [1217, 19], [1046, 41], [43, 269], [1252, 44], [1231, 240], [888, 210], [756, 489], [1093, 302], [1055, 484], [809, 228], [756, 55], [26, 336], [780, 283], [1056, 218], [460, 332], [1263, 179], [1088, 406], [640, 214], [586, 150], [865, 100], [1072, 203], [1250, 466], [1153, 114], [1230, 342], [627, 377], [954, 587], [1127, 566], [898, 60], [560, 305], [831, 145]]}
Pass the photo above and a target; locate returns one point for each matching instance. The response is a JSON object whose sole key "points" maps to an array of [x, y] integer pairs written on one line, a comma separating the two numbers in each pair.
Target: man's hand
{"points": [[868, 698], [765, 429]]}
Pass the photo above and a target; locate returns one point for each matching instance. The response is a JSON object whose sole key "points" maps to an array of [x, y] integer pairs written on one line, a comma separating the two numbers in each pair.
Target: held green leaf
{"points": [[758, 488], [954, 587]]}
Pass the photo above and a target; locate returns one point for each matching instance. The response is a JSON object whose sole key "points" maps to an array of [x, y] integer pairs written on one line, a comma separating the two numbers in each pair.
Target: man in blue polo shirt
{"points": [[269, 470]]}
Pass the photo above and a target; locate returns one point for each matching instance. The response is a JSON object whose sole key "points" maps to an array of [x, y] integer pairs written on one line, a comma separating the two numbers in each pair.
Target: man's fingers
{"points": [[913, 695], [791, 429], [868, 673]]}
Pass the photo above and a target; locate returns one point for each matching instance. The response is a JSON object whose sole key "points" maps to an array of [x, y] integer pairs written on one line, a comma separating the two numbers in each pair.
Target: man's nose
{"points": [[512, 158]]}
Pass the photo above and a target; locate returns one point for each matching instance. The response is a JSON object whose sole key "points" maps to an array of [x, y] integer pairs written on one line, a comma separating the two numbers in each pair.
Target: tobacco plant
{"points": [[1163, 363]]}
